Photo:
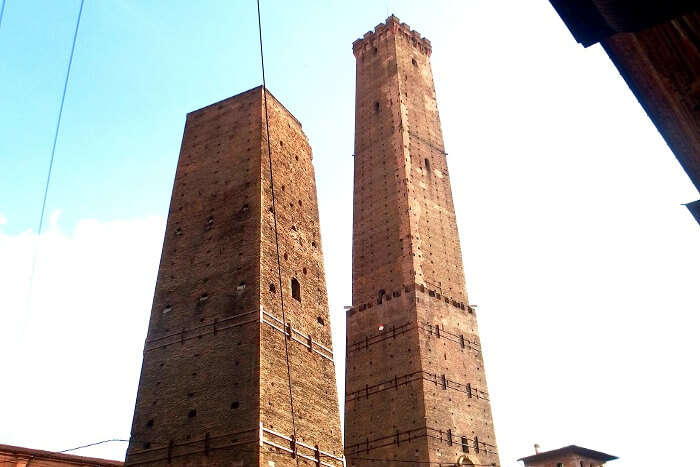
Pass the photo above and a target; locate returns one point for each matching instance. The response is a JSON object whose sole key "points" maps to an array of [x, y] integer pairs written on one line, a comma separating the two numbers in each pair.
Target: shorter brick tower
{"points": [[238, 363]]}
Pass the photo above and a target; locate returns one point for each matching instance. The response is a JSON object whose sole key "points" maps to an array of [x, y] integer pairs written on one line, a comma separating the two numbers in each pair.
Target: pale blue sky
{"points": [[576, 247]]}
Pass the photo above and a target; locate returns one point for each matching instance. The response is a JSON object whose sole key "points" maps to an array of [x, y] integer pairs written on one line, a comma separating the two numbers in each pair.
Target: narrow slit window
{"points": [[296, 289], [376, 107], [380, 296], [427, 165], [465, 444]]}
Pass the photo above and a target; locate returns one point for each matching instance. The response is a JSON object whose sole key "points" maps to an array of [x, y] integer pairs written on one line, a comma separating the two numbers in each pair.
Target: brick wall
{"points": [[215, 364], [312, 375]]}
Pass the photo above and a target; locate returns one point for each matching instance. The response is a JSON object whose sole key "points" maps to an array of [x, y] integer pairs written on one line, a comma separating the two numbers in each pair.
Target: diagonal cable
{"points": [[53, 153], [95, 444], [60, 114], [2, 12], [277, 244]]}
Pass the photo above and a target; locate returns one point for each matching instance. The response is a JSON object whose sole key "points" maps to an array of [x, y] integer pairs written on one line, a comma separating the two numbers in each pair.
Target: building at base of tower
{"points": [[16, 456], [568, 456], [238, 362], [415, 383]]}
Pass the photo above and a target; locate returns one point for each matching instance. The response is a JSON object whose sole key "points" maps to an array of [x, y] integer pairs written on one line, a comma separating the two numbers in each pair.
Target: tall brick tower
{"points": [[238, 362], [415, 383]]}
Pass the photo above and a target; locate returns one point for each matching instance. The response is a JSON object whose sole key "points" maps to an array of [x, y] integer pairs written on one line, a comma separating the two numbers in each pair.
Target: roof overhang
{"points": [[573, 449], [591, 21]]}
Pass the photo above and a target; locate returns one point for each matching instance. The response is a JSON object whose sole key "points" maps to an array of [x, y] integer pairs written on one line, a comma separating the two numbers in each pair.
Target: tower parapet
{"points": [[392, 25]]}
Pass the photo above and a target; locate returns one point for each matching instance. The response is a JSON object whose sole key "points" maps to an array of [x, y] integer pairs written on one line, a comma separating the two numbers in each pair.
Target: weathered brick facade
{"points": [[415, 383], [238, 360]]}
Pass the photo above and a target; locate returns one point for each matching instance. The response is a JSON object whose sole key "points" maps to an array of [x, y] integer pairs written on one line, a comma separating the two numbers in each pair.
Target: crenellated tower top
{"points": [[391, 26]]}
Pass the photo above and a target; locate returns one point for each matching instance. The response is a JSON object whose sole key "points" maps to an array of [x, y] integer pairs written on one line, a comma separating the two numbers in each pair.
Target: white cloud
{"points": [[75, 366], [576, 248], [3, 219]]}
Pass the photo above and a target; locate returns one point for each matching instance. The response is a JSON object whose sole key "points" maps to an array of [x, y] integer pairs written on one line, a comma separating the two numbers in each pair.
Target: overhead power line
{"points": [[2, 12], [60, 114], [274, 217], [51, 160], [95, 444]]}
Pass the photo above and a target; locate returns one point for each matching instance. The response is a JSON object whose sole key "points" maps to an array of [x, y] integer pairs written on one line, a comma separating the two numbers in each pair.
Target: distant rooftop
{"points": [[573, 449], [60, 458]]}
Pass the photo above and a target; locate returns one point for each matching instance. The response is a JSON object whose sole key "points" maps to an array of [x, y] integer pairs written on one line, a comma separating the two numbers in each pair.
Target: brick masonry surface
{"points": [[415, 383], [230, 376]]}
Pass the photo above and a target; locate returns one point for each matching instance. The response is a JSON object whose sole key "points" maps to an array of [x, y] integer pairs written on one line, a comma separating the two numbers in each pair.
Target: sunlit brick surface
{"points": [[215, 370], [415, 384]]}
